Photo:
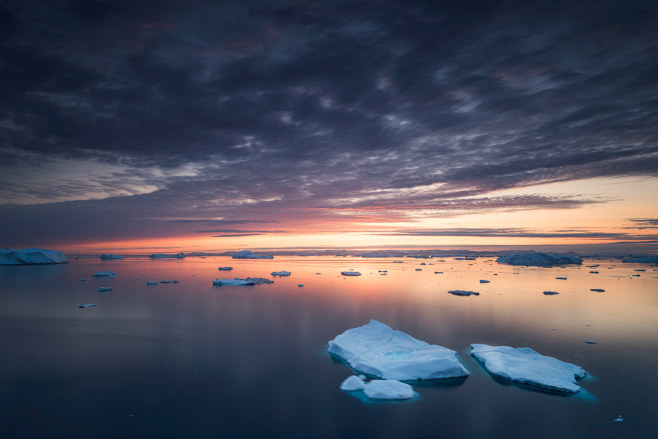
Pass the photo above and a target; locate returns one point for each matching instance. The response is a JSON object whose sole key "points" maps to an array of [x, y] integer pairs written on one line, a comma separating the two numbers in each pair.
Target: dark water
{"points": [[196, 361]]}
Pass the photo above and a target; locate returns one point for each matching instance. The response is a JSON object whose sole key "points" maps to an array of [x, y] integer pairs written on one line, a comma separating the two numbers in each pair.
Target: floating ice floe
{"points": [[484, 281], [167, 256], [377, 350], [280, 273], [561, 278], [464, 293], [107, 256], [598, 290], [151, 282], [300, 285], [31, 256], [525, 366], [225, 268], [419, 269], [350, 273], [352, 383], [388, 390], [87, 305], [248, 254], [538, 259], [103, 289], [618, 419], [550, 293], [169, 281], [104, 274], [240, 282]]}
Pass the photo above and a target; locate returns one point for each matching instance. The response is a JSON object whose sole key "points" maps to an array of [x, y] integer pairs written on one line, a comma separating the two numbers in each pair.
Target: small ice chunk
{"points": [[82, 279], [594, 272], [378, 350], [618, 419], [103, 289], [169, 281], [561, 278], [598, 290], [484, 281], [525, 366], [590, 342], [300, 285], [550, 293], [438, 272], [419, 269], [389, 390], [352, 383], [225, 268], [350, 273], [104, 274], [280, 273], [241, 282], [464, 293], [87, 305], [167, 256], [152, 282]]}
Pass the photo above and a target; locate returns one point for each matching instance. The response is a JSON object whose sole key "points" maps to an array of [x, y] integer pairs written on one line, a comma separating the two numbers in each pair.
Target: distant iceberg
{"points": [[165, 256], [106, 256], [31, 256], [104, 274], [225, 268], [248, 254], [382, 255], [240, 282], [464, 293], [280, 273], [377, 350], [350, 273], [641, 259], [525, 366], [538, 259]]}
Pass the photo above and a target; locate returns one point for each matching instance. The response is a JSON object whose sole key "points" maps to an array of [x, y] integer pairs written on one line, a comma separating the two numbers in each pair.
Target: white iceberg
{"points": [[538, 259], [107, 256], [464, 293], [378, 350], [248, 254], [389, 390], [104, 274], [525, 366], [225, 268], [241, 282], [280, 273], [350, 273], [165, 256], [30, 256], [352, 383]]}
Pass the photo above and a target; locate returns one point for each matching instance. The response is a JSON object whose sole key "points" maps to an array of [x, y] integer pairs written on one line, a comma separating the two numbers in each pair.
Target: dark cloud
{"points": [[522, 233], [184, 112]]}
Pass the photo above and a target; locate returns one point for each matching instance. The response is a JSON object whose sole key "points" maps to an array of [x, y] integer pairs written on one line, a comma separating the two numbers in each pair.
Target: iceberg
{"points": [[377, 350], [106, 256], [248, 254], [165, 256], [280, 273], [352, 383], [104, 274], [525, 366], [350, 273], [464, 293], [597, 290], [30, 256], [538, 259], [389, 389], [240, 282]]}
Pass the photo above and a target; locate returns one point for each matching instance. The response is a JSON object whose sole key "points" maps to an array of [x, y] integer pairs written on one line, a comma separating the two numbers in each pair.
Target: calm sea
{"points": [[189, 360]]}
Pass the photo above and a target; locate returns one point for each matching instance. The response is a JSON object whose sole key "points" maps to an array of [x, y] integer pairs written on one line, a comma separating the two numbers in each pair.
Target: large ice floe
{"points": [[538, 259], [378, 350], [31, 256], [525, 366], [242, 282], [248, 254]]}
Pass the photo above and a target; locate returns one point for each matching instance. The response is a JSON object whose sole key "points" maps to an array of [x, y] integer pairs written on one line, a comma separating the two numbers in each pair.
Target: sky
{"points": [[211, 126]]}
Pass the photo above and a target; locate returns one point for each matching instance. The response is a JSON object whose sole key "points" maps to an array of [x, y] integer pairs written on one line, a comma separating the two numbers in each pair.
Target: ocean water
{"points": [[192, 360]]}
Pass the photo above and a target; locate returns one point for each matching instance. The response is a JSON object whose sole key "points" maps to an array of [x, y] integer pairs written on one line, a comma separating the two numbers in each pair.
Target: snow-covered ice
{"points": [[538, 259], [280, 273], [248, 254], [30, 256], [350, 273], [378, 350], [241, 282], [525, 366], [109, 256], [104, 274], [389, 390], [464, 293], [352, 383]]}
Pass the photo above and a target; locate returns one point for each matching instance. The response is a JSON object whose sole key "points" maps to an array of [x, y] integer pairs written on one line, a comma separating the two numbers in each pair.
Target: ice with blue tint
{"points": [[350, 273], [105, 256], [525, 366], [248, 254], [167, 256], [389, 389], [538, 259], [242, 282], [280, 273], [378, 350], [104, 274], [31, 256]]}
